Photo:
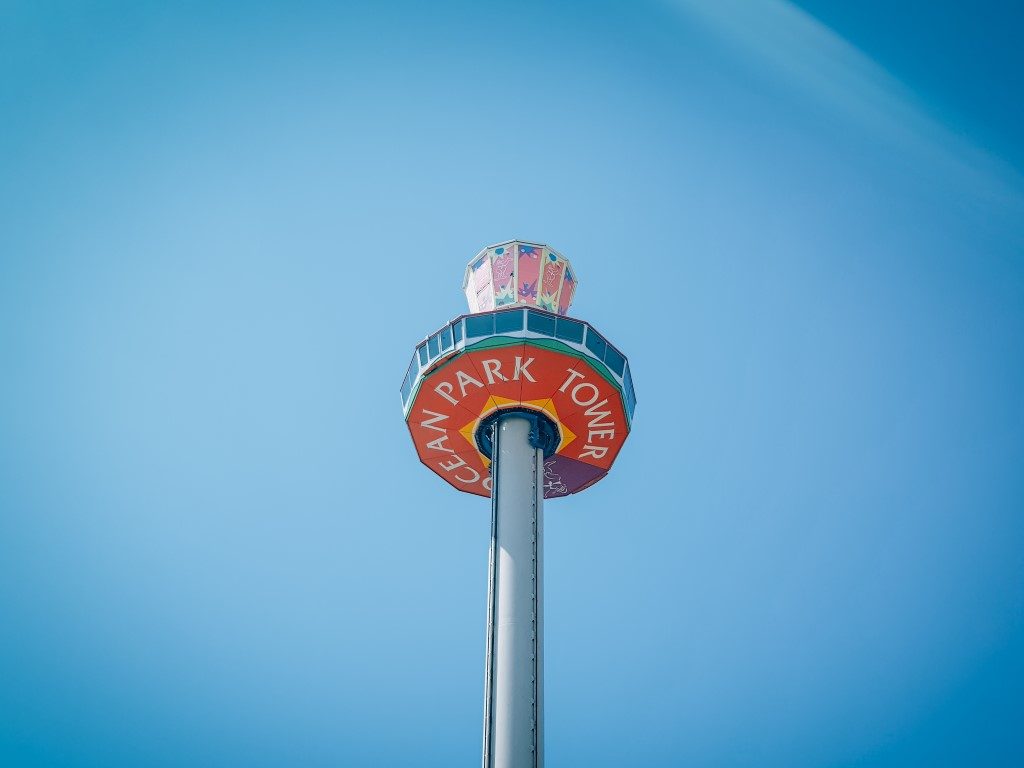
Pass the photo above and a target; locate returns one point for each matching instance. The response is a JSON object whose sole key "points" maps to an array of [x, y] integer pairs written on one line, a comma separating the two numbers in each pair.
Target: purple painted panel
{"points": [[563, 476]]}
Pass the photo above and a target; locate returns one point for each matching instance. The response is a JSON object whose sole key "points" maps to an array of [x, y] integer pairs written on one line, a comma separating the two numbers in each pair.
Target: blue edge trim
{"points": [[544, 433]]}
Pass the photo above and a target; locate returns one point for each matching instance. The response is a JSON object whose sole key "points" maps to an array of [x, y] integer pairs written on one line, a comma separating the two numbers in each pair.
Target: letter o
{"points": [[578, 387]]}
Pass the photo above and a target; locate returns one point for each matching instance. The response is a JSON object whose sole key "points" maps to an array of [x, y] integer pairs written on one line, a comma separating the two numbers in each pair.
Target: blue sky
{"points": [[223, 228]]}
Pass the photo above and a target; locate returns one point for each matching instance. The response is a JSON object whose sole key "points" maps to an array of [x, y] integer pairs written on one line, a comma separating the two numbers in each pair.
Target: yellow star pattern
{"points": [[495, 403]]}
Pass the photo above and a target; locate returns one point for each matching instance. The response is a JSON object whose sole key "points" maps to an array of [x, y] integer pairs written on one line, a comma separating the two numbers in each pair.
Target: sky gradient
{"points": [[223, 229]]}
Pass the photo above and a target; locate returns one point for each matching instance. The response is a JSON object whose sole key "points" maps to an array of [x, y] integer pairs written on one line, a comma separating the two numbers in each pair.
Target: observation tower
{"points": [[517, 402]]}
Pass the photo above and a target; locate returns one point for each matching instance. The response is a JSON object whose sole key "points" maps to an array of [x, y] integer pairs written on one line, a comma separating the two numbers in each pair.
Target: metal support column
{"points": [[513, 686]]}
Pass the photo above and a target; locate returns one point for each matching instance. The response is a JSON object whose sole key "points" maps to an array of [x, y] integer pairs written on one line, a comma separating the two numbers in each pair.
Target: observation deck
{"points": [[525, 359], [484, 329]]}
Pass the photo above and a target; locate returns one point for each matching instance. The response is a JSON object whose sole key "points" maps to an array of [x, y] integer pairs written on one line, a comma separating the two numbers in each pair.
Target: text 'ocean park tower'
{"points": [[518, 402]]}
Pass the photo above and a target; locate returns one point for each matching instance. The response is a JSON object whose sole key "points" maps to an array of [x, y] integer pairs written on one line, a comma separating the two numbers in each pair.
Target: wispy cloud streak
{"points": [[809, 56]]}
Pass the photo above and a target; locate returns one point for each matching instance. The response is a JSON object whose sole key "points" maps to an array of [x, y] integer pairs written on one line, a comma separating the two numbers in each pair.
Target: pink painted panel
{"points": [[529, 273], [551, 282], [485, 299], [481, 272], [503, 271]]}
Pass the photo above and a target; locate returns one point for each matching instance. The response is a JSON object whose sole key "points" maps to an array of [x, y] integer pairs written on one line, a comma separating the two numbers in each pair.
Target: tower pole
{"points": [[550, 380], [513, 687]]}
